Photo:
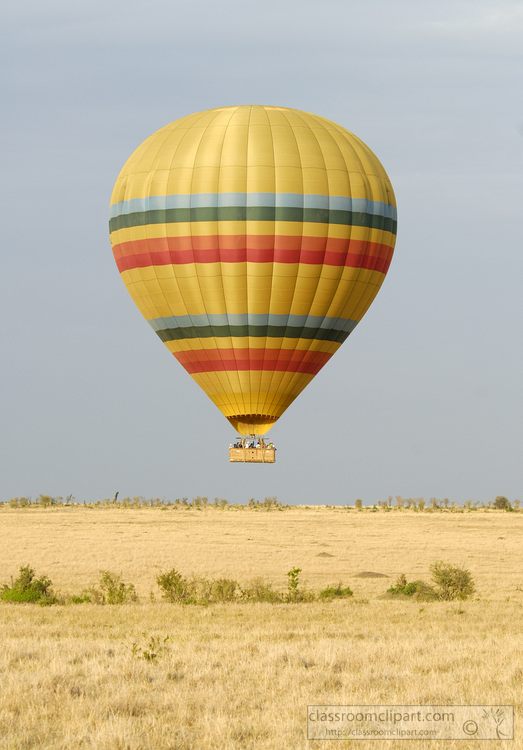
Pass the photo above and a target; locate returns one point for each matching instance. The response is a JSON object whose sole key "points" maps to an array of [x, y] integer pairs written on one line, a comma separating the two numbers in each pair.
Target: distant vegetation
{"points": [[418, 505], [110, 590], [503, 503], [449, 582], [177, 588], [197, 503]]}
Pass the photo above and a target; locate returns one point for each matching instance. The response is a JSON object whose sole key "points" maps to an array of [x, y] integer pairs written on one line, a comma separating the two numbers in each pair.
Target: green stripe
{"points": [[195, 332], [253, 213]]}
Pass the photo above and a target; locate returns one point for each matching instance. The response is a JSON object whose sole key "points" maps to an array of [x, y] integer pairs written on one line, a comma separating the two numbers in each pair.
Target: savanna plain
{"points": [[155, 675]]}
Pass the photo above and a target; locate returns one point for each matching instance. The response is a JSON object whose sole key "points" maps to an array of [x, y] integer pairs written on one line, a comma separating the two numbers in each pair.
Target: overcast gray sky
{"points": [[424, 398]]}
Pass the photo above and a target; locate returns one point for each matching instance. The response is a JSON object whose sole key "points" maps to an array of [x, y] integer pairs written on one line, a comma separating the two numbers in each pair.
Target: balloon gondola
{"points": [[253, 239], [252, 449]]}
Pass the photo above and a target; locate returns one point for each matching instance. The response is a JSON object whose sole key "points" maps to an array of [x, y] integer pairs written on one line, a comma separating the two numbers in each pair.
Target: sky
{"points": [[423, 400]]}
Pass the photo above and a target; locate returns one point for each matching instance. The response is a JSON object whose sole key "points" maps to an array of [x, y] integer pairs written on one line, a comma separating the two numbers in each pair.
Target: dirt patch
{"points": [[324, 554]]}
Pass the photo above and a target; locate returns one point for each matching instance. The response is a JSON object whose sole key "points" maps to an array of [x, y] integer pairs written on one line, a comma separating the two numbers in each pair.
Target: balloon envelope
{"points": [[253, 239]]}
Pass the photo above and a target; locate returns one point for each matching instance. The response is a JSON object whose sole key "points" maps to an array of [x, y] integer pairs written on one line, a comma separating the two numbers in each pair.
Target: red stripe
{"points": [[274, 360], [253, 248]]}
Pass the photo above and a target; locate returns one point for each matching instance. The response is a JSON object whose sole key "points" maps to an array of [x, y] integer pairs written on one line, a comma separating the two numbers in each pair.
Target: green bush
{"points": [[399, 586], [174, 586], [335, 592], [451, 581], [203, 590], [295, 592], [260, 591], [179, 589], [28, 588], [418, 590], [224, 590], [502, 503], [110, 590]]}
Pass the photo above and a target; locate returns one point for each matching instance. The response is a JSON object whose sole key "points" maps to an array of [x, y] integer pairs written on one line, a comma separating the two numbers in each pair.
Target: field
{"points": [[241, 675]]}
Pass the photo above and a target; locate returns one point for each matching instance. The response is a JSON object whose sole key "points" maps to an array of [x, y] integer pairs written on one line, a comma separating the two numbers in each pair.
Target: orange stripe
{"points": [[275, 360], [254, 249]]}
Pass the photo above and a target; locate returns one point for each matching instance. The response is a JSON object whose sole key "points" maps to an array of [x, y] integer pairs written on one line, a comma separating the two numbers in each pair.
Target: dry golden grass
{"points": [[240, 676]]}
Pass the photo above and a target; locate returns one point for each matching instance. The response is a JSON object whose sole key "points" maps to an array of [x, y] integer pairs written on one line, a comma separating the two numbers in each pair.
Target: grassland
{"points": [[241, 675]]}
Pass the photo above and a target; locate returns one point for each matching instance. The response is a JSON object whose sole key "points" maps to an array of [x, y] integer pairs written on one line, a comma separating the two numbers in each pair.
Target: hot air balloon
{"points": [[253, 239]]}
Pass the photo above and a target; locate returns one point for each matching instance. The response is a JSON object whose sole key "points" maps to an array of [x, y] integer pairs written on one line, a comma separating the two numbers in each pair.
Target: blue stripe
{"points": [[294, 321], [278, 200]]}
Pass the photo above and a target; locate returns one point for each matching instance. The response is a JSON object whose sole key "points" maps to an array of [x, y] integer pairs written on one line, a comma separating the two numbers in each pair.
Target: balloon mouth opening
{"points": [[252, 424]]}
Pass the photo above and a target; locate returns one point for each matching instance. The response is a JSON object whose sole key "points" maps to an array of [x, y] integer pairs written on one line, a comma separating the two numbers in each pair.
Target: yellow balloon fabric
{"points": [[253, 239]]}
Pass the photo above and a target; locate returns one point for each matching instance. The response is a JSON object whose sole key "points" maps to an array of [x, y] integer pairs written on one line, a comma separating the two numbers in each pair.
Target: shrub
{"points": [[203, 590], [111, 590], [45, 501], [28, 588], [200, 590], [335, 592], [423, 592], [294, 591], [83, 598], [174, 586], [452, 582], [261, 591], [502, 503], [152, 649], [178, 589], [399, 586], [200, 502], [269, 503], [20, 502], [418, 590], [224, 590]]}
